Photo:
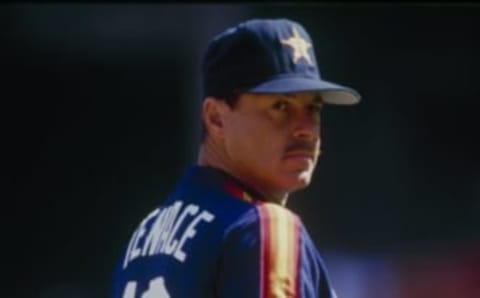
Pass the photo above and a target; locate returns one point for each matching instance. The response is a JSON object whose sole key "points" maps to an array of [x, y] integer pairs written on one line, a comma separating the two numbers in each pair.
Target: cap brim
{"points": [[331, 93]]}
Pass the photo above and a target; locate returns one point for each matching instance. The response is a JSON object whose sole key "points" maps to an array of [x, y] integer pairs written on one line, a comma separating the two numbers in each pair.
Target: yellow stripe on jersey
{"points": [[279, 251]]}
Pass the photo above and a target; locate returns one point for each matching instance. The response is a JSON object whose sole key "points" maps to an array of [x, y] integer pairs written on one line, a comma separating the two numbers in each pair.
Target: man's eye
{"points": [[315, 108], [280, 105]]}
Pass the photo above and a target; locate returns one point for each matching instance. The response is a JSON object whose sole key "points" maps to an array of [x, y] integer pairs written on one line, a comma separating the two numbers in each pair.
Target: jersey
{"points": [[215, 238]]}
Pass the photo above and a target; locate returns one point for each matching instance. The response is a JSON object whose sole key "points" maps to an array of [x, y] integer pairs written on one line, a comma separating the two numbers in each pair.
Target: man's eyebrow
{"points": [[288, 95]]}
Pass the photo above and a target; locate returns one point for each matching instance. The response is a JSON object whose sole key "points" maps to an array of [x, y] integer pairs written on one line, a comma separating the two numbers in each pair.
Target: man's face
{"points": [[273, 140]]}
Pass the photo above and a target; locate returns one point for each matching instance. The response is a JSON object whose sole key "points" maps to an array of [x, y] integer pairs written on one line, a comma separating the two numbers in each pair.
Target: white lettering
{"points": [[137, 250], [172, 243], [133, 249], [160, 229], [190, 232], [129, 249], [155, 231], [170, 230], [167, 230]]}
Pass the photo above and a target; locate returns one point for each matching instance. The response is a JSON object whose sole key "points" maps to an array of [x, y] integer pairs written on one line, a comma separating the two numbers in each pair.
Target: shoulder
{"points": [[267, 223], [269, 214], [267, 241]]}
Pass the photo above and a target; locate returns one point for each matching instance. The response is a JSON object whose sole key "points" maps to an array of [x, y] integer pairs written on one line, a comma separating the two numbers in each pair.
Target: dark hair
{"points": [[231, 101]]}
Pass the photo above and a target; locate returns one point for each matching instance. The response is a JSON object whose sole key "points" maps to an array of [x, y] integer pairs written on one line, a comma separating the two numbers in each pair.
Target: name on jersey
{"points": [[169, 229]]}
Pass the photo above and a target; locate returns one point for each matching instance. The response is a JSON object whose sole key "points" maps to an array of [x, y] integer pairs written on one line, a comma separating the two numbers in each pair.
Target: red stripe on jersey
{"points": [[237, 192], [280, 242], [233, 190]]}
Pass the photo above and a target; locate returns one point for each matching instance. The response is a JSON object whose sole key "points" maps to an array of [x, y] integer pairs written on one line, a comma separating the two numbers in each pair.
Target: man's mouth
{"points": [[300, 155]]}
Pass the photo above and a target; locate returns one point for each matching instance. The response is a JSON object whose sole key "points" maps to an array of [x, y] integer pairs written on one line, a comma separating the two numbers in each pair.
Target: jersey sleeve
{"points": [[261, 255]]}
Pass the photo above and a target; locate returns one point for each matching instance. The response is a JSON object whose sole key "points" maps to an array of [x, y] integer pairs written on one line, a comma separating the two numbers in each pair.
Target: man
{"points": [[225, 231]]}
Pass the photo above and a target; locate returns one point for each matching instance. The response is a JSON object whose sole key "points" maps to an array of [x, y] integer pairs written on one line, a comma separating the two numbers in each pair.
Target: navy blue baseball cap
{"points": [[267, 56]]}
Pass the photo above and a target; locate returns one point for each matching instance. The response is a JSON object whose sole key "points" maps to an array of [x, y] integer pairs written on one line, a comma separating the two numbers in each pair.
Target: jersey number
{"points": [[156, 289]]}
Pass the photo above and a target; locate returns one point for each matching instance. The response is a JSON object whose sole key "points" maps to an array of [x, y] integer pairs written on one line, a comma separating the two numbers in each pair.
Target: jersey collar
{"points": [[218, 177]]}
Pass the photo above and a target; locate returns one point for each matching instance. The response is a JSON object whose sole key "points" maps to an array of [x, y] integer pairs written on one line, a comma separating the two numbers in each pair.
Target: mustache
{"points": [[300, 145]]}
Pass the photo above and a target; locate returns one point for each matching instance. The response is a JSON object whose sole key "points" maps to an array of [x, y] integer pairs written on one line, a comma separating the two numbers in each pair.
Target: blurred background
{"points": [[100, 109]]}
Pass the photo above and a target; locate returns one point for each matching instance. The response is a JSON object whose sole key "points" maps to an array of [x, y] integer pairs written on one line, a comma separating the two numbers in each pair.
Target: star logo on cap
{"points": [[299, 45]]}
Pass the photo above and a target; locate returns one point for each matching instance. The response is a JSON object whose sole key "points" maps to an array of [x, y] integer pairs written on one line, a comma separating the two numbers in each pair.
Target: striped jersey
{"points": [[213, 238]]}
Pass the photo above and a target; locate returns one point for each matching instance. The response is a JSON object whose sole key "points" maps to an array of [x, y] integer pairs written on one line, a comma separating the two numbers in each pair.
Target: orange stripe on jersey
{"points": [[280, 255]]}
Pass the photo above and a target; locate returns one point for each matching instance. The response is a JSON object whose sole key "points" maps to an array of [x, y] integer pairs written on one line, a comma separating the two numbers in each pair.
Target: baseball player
{"points": [[224, 231]]}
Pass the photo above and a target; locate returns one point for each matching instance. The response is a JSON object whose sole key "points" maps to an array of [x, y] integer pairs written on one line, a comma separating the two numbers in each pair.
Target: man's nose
{"points": [[306, 128]]}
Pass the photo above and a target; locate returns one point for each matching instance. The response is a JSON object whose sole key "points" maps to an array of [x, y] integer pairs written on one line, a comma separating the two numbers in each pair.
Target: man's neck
{"points": [[212, 155]]}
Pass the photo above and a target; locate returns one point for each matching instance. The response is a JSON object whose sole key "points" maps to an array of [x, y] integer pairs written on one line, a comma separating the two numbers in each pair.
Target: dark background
{"points": [[100, 110]]}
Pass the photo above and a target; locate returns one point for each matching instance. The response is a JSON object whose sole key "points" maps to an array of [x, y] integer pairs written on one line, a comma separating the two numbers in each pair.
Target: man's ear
{"points": [[213, 113]]}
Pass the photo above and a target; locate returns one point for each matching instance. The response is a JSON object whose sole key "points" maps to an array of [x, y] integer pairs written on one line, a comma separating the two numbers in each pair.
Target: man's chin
{"points": [[298, 180]]}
